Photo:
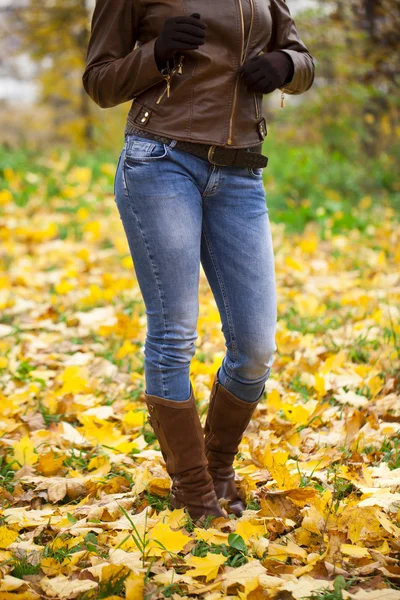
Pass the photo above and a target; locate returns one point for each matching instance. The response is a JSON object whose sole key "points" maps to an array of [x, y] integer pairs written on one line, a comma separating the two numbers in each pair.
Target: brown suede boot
{"points": [[178, 429], [228, 417]]}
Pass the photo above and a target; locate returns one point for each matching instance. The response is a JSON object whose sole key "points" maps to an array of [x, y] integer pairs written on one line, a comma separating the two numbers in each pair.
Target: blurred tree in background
{"points": [[342, 134], [343, 140], [55, 34], [355, 43]]}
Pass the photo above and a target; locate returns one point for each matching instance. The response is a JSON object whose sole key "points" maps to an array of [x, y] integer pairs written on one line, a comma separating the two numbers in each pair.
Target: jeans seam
{"points": [[229, 370], [124, 174], [116, 172], [216, 174], [155, 274], [222, 288]]}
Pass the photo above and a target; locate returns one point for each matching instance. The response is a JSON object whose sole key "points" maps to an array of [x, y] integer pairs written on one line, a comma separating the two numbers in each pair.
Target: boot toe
{"points": [[237, 507], [205, 504], [225, 487]]}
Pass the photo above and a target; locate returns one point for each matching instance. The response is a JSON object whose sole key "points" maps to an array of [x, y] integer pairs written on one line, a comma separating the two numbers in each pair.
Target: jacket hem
{"points": [[183, 138]]}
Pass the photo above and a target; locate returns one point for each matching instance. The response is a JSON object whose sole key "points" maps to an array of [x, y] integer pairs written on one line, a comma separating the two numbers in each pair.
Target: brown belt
{"points": [[217, 155]]}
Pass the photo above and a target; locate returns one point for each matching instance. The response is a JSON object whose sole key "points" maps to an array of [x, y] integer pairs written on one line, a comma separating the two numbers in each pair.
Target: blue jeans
{"points": [[179, 211]]}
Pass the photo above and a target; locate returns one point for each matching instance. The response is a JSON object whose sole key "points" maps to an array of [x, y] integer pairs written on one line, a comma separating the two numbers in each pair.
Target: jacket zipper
{"points": [[142, 91], [242, 59], [179, 70], [256, 106]]}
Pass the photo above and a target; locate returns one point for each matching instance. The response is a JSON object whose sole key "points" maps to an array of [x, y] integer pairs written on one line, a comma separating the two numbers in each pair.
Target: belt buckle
{"points": [[211, 152]]}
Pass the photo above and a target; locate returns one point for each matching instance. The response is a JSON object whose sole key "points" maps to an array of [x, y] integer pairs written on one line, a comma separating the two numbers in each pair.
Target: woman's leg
{"points": [[237, 257], [160, 208]]}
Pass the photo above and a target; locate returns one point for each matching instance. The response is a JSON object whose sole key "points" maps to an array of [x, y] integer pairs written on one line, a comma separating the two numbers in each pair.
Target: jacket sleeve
{"points": [[286, 39], [115, 72]]}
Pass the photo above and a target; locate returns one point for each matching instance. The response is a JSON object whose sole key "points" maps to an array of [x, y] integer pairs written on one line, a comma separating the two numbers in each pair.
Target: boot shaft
{"points": [[227, 419], [180, 434]]}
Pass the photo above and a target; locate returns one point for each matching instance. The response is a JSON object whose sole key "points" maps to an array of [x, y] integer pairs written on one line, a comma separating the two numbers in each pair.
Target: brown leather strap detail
{"points": [[250, 157], [227, 157]]}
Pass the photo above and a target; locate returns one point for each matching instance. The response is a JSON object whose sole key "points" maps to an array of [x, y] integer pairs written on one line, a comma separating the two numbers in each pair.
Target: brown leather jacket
{"points": [[208, 102]]}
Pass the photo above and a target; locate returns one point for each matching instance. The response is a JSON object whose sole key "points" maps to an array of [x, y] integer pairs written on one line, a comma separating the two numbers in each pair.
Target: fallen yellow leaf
{"points": [[354, 551], [205, 566], [24, 454], [134, 587], [162, 539], [7, 537]]}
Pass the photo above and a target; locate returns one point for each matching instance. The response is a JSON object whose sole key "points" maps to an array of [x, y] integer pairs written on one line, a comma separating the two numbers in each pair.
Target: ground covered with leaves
{"points": [[84, 493]]}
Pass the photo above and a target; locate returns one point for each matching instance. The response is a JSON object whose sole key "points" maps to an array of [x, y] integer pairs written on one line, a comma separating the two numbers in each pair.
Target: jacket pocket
{"points": [[178, 70]]}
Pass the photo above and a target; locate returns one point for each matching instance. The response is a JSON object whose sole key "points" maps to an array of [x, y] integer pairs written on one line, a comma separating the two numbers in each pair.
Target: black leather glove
{"points": [[267, 72], [178, 34]]}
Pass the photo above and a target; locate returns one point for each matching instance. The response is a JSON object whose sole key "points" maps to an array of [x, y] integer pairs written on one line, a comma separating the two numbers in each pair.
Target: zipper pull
{"points": [[161, 96], [168, 85], [168, 76], [180, 66], [166, 90], [282, 100]]}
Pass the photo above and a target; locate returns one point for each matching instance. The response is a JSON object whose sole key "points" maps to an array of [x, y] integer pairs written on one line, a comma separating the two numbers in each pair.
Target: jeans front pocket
{"points": [[120, 187], [255, 172], [143, 150], [145, 161], [117, 172]]}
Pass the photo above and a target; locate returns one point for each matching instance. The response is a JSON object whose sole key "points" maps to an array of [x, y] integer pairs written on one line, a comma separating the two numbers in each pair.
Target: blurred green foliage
{"points": [[302, 184], [330, 147]]}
